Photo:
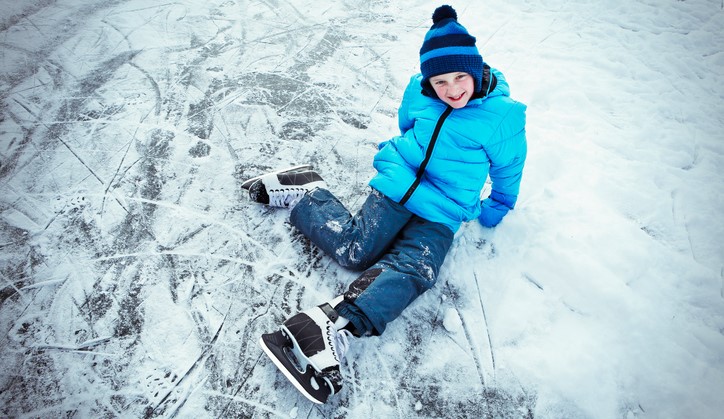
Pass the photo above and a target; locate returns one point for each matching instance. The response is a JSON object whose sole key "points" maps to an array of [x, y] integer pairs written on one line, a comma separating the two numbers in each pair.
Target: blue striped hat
{"points": [[447, 48]]}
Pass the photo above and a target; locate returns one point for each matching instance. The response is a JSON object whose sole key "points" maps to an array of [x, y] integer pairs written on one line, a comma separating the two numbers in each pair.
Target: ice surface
{"points": [[137, 276]]}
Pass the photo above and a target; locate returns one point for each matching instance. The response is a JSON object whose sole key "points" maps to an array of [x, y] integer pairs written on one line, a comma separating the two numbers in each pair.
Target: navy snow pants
{"points": [[399, 253]]}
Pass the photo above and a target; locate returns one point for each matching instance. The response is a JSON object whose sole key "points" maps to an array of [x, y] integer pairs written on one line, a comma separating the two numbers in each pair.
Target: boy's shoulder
{"points": [[414, 85], [502, 88], [499, 99], [417, 77]]}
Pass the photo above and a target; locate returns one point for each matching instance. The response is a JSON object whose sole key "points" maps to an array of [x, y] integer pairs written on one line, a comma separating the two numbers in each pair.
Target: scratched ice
{"points": [[137, 277]]}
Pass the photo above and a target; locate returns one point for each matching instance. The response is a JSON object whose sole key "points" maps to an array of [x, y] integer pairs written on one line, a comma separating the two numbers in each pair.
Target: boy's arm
{"points": [[403, 120], [507, 159]]}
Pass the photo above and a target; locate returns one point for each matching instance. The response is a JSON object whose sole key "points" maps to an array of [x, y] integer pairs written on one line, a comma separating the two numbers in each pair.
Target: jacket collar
{"points": [[489, 83]]}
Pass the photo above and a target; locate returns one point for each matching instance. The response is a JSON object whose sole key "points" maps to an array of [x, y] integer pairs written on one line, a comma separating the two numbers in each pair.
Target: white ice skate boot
{"points": [[283, 188], [309, 348]]}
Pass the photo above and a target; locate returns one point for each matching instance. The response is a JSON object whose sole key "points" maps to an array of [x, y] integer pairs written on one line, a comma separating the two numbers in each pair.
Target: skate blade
{"points": [[291, 371], [247, 184]]}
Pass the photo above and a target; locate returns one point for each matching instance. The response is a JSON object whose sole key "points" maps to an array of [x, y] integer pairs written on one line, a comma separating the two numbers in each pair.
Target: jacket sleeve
{"points": [[403, 115], [507, 158]]}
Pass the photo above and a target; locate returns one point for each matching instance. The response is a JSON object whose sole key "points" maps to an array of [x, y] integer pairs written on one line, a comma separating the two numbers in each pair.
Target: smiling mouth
{"points": [[454, 99]]}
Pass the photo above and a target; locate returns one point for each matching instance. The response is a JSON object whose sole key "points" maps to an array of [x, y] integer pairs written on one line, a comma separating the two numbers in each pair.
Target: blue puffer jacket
{"points": [[486, 137]]}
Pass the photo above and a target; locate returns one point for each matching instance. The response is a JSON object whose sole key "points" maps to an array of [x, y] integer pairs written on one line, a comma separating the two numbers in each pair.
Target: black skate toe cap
{"points": [[257, 192]]}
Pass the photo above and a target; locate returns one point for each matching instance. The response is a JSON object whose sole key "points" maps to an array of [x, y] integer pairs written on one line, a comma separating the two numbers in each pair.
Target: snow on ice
{"points": [[137, 276]]}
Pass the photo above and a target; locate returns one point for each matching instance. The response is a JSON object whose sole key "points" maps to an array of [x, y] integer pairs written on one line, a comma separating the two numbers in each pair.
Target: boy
{"points": [[458, 126]]}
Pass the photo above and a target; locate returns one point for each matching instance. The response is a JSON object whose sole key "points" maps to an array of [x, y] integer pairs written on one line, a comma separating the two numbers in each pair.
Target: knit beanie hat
{"points": [[447, 48]]}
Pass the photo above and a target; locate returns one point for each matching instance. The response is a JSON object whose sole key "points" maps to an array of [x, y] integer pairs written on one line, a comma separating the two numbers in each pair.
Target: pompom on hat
{"points": [[447, 48]]}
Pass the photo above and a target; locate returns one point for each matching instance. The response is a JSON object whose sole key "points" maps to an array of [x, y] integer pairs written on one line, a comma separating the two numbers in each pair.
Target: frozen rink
{"points": [[137, 277]]}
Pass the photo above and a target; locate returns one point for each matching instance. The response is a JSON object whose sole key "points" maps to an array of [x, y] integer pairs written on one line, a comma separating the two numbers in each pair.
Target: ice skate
{"points": [[283, 188], [308, 350], [301, 168]]}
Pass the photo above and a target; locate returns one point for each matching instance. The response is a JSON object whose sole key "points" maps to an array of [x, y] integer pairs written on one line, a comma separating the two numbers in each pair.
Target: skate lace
{"points": [[341, 342], [287, 197]]}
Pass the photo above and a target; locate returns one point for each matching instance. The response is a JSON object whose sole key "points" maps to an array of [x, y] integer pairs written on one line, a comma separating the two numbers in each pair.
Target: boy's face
{"points": [[455, 89]]}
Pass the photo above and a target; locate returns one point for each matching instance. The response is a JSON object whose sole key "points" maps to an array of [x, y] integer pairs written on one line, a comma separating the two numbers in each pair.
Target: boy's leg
{"points": [[408, 269], [355, 242]]}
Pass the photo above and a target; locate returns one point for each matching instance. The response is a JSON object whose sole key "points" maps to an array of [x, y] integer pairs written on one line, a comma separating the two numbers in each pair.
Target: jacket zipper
{"points": [[428, 155]]}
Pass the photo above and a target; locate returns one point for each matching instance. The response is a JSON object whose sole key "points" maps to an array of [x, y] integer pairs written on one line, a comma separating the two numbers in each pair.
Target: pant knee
{"points": [[349, 259]]}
